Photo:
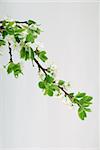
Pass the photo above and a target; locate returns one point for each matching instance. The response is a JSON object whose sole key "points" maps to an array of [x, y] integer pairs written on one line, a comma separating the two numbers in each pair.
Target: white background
{"points": [[27, 118]]}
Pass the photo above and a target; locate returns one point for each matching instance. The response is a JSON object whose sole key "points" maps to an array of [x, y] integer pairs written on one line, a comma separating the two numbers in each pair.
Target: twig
{"points": [[40, 67], [15, 21], [10, 52], [45, 71]]}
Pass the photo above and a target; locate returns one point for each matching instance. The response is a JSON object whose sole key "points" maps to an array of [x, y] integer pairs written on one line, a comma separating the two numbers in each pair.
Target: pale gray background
{"points": [[29, 119]]}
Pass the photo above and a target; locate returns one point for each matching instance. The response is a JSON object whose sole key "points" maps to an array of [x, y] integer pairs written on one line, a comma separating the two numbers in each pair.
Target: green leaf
{"points": [[10, 67], [30, 38], [79, 95], [31, 53], [18, 30], [81, 113], [42, 56], [17, 38], [41, 85], [50, 92], [49, 79], [31, 22], [15, 68], [2, 42], [54, 87], [88, 98], [86, 104], [11, 23], [27, 53], [71, 94], [22, 52], [4, 23], [61, 82], [4, 33], [38, 31], [87, 109], [10, 30]]}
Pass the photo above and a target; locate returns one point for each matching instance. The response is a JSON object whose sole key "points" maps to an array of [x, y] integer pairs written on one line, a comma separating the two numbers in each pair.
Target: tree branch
{"points": [[10, 52], [45, 71], [15, 21], [40, 67]]}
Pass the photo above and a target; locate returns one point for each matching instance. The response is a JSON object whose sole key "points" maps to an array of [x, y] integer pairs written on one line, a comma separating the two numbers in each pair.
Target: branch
{"points": [[40, 67], [10, 52], [15, 21], [45, 71]]}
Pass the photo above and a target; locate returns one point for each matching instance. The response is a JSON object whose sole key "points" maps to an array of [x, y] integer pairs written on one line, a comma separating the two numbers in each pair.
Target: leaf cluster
{"points": [[84, 102], [14, 68], [26, 32], [49, 86]]}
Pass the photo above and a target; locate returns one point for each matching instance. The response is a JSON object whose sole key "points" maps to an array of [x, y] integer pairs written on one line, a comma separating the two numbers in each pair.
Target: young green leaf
{"points": [[31, 54], [30, 38], [50, 92], [42, 84], [79, 95], [42, 56], [10, 67], [61, 82], [38, 31], [15, 68], [10, 30], [49, 79], [27, 53], [2, 42], [4, 34], [88, 98], [31, 22], [81, 113], [23, 53]]}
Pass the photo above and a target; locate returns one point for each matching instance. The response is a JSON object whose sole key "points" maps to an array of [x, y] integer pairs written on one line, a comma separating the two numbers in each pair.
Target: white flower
{"points": [[39, 44], [41, 75]]}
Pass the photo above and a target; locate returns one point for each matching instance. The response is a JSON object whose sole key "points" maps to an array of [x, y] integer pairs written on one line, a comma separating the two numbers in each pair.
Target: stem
{"points": [[15, 21], [40, 67], [10, 52]]}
